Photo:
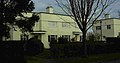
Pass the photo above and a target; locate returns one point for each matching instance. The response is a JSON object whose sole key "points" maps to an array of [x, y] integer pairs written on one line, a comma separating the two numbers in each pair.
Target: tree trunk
{"points": [[1, 19], [84, 44]]}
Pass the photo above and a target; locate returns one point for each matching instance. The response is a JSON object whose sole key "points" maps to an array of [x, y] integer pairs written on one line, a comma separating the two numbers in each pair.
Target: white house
{"points": [[51, 26], [108, 27]]}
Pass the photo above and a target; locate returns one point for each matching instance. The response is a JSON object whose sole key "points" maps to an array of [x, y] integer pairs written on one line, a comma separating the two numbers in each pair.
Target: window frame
{"points": [[98, 27], [65, 24], [52, 24], [52, 37], [108, 26]]}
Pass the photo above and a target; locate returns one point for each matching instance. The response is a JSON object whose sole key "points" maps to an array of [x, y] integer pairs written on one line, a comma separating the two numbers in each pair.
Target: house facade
{"points": [[50, 27], [108, 27]]}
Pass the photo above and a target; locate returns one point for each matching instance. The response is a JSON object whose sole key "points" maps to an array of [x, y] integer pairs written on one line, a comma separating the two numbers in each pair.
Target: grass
{"points": [[43, 58]]}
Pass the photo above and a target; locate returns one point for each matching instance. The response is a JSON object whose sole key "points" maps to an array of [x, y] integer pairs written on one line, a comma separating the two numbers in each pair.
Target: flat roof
{"points": [[52, 13], [108, 19]]}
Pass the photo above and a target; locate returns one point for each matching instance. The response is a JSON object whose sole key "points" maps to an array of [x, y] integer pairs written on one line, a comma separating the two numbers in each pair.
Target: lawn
{"points": [[44, 58]]}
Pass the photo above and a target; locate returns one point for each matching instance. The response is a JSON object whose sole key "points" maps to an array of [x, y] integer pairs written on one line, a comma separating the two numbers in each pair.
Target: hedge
{"points": [[76, 49]]}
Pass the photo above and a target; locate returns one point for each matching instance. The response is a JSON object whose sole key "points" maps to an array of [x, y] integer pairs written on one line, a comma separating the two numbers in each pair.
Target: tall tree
{"points": [[84, 13], [9, 10]]}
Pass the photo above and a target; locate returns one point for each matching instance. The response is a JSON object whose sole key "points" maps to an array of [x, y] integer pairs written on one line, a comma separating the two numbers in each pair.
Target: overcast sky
{"points": [[40, 6]]}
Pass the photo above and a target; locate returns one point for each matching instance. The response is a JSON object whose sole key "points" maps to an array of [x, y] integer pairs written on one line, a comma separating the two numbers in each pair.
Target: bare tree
{"points": [[84, 13]]}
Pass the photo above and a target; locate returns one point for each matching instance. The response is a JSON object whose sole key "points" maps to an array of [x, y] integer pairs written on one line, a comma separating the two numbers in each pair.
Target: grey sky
{"points": [[40, 6]]}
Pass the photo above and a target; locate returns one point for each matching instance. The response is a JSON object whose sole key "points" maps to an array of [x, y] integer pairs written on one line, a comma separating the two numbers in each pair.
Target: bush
{"points": [[76, 48], [33, 47], [62, 40], [67, 50], [113, 40], [11, 52]]}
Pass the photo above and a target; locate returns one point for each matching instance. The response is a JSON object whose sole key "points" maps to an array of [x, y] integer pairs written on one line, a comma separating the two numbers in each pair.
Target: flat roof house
{"points": [[51, 26], [108, 27]]}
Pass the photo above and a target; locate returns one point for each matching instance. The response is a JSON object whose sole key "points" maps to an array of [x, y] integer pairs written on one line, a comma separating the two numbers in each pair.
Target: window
{"points": [[118, 34], [52, 38], [52, 24], [108, 26], [66, 37], [98, 27], [65, 24]]}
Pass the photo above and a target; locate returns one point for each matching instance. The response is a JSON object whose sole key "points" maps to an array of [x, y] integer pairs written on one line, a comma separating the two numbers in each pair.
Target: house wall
{"points": [[113, 32], [116, 27], [107, 32], [44, 25], [58, 29]]}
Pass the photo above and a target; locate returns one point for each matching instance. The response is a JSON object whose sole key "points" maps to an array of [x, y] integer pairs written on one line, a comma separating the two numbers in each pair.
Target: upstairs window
{"points": [[108, 26], [52, 24], [98, 27], [66, 25]]}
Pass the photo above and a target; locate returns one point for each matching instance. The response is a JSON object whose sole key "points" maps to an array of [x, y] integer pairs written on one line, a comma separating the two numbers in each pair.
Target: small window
{"points": [[118, 33], [52, 24], [52, 38], [108, 26], [66, 25], [98, 27]]}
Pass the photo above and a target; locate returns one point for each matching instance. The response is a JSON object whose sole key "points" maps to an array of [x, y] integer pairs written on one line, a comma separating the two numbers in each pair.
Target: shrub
{"points": [[62, 40], [67, 50], [33, 47], [113, 40], [11, 52]]}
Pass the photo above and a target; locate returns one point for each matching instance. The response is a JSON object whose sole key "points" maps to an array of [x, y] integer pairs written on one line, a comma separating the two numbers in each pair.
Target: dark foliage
{"points": [[11, 52], [34, 47], [27, 23], [113, 40], [66, 50], [9, 10], [53, 42], [76, 49], [62, 40]]}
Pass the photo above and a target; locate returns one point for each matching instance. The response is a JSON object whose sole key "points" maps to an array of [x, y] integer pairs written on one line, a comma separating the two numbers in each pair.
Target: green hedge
{"points": [[76, 49]]}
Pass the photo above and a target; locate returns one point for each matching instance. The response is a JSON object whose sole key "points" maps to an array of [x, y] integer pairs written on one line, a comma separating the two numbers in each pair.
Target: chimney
{"points": [[107, 16], [49, 9]]}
